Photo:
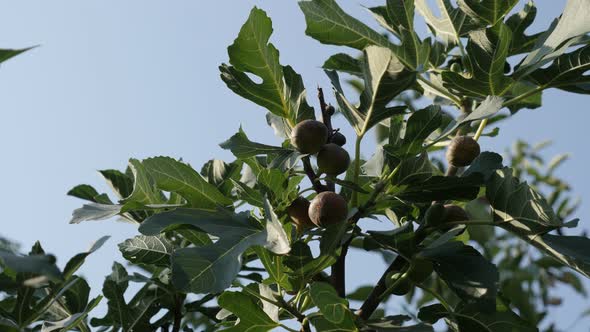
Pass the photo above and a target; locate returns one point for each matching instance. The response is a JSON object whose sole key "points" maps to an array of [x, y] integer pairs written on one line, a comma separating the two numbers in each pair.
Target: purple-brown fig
{"points": [[462, 151], [298, 211], [309, 136], [328, 208], [333, 159]]}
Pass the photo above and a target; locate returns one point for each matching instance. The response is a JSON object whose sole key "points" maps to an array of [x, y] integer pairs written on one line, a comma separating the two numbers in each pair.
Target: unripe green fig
{"points": [[298, 211], [328, 208], [421, 270], [402, 286], [333, 159], [435, 214], [462, 151], [337, 138], [309, 136], [456, 68]]}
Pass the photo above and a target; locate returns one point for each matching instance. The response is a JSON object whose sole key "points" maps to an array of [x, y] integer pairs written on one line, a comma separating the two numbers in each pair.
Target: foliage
{"points": [[218, 249]]}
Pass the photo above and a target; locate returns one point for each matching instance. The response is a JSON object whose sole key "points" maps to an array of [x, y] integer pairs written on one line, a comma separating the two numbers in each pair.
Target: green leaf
{"points": [[120, 182], [414, 170], [329, 24], [113, 289], [242, 147], [472, 277], [151, 250], [485, 164], [566, 72], [94, 211], [397, 16], [564, 32], [6, 54], [384, 77], [277, 271], [521, 88], [503, 319], [84, 191], [487, 49], [248, 194], [518, 23], [432, 313], [333, 307], [75, 262], [71, 321], [572, 251], [37, 264], [488, 108], [175, 176], [452, 23], [145, 190], [518, 206], [488, 11], [281, 90], [344, 63], [420, 125], [252, 317], [441, 188], [212, 268]]}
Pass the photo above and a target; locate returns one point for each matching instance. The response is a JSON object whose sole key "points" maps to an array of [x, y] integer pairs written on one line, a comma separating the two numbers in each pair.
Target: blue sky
{"points": [[114, 80]]}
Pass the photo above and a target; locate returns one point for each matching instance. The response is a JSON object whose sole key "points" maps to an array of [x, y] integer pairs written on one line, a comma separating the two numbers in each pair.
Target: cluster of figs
{"points": [[313, 137]]}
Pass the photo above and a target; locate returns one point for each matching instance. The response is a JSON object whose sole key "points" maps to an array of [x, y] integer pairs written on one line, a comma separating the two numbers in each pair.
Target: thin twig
{"points": [[315, 182]]}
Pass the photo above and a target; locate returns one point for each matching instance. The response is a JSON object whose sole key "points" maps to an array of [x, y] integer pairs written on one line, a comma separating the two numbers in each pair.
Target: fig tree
{"points": [[462, 151], [333, 159], [298, 213], [309, 136], [328, 208]]}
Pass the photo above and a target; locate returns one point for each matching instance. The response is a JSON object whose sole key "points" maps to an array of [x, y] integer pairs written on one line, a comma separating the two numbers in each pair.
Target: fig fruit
{"points": [[402, 286], [328, 208], [333, 159], [454, 213], [338, 139], [298, 213], [330, 110], [309, 136], [462, 151]]}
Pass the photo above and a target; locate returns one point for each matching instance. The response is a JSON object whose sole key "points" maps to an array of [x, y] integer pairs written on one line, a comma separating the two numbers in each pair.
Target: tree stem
{"points": [[179, 301]]}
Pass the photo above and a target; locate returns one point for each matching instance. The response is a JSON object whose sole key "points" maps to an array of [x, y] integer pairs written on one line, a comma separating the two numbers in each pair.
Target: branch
{"points": [[179, 301], [398, 264], [315, 182]]}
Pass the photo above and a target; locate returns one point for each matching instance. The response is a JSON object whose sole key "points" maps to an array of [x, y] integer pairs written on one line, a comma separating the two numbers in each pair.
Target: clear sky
{"points": [[139, 78]]}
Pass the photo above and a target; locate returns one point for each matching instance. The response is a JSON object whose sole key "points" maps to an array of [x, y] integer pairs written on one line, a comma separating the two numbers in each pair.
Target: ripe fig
{"points": [[462, 151], [421, 271], [309, 136], [298, 213], [328, 208], [333, 159], [338, 139]]}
